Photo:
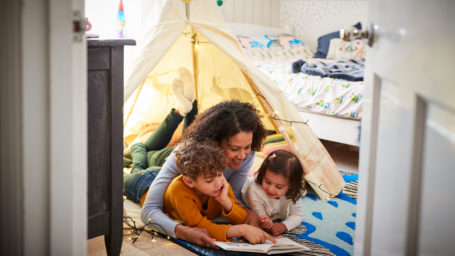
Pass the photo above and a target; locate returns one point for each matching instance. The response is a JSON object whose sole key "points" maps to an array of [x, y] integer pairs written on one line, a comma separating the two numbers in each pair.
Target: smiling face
{"points": [[274, 185], [209, 185], [237, 148]]}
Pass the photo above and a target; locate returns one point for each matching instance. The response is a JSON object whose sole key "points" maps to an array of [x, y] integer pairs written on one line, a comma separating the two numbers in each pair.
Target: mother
{"points": [[240, 132]]}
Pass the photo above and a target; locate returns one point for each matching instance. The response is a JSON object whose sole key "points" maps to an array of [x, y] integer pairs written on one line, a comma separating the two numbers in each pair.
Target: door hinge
{"points": [[78, 26]]}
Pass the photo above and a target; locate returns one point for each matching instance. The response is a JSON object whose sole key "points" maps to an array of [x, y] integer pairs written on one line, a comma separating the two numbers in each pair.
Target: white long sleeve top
{"points": [[256, 199]]}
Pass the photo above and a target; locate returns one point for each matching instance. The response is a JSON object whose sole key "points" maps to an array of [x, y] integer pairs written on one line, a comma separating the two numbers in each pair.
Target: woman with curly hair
{"points": [[237, 128]]}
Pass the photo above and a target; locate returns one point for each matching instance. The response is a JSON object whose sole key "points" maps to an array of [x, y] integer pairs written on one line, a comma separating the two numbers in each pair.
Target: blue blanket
{"points": [[350, 70]]}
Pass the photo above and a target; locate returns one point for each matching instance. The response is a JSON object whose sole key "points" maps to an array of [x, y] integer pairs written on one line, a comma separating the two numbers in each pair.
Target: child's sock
{"points": [[182, 104], [188, 85]]}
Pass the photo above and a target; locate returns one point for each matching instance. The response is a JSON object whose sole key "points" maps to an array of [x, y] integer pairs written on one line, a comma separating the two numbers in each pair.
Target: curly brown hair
{"points": [[285, 163], [195, 158], [226, 119]]}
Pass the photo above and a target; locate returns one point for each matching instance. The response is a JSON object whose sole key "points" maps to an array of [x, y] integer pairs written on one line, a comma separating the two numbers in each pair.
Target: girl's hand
{"points": [[277, 228], [266, 222]]}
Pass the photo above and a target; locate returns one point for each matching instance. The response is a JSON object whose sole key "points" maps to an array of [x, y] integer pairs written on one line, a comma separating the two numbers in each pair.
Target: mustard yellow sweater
{"points": [[182, 203]]}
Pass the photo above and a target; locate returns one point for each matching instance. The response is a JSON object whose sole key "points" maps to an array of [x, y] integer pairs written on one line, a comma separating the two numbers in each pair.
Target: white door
{"points": [[43, 132], [407, 150]]}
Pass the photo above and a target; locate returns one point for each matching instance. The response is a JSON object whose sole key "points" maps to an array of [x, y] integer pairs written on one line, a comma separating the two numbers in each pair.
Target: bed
{"points": [[327, 90]]}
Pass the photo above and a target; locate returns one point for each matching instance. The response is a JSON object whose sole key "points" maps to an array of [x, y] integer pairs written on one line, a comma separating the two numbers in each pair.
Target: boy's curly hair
{"points": [[287, 164], [195, 158], [226, 119]]}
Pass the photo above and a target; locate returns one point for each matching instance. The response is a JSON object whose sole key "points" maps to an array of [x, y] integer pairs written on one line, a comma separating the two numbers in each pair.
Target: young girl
{"points": [[274, 194]]}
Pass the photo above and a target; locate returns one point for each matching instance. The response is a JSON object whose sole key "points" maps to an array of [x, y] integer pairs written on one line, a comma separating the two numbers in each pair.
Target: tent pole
{"points": [[195, 65], [277, 123]]}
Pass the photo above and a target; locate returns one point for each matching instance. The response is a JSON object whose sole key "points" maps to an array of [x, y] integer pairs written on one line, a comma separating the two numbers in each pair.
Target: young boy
{"points": [[202, 193]]}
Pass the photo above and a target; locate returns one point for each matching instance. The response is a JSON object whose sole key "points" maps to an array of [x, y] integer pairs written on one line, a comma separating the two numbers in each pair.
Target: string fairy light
{"points": [[275, 116], [136, 232]]}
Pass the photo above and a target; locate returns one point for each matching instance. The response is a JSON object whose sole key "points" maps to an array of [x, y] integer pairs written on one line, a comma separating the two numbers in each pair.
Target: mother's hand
{"points": [[194, 235]]}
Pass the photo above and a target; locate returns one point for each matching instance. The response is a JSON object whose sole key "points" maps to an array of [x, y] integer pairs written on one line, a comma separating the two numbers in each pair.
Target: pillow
{"points": [[245, 42], [257, 42], [324, 42], [275, 48], [289, 41], [340, 49], [269, 41], [280, 54]]}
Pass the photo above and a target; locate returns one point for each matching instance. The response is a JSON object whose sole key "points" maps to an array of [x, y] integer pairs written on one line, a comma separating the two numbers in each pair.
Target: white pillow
{"points": [[340, 49]]}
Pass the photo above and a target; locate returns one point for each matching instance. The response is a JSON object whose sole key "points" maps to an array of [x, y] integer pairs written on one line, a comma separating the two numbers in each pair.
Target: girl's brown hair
{"points": [[287, 164]]}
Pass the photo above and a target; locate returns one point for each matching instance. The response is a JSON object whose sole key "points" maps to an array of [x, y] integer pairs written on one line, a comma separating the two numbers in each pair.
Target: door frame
{"points": [[44, 141]]}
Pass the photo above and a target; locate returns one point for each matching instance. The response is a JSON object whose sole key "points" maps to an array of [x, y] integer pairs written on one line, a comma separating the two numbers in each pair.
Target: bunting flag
{"points": [[120, 20]]}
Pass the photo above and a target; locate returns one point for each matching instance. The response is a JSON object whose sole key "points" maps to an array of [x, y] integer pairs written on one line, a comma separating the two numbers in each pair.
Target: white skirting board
{"points": [[341, 130]]}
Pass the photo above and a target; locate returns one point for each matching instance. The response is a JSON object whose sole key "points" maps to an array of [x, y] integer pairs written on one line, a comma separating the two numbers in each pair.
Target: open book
{"points": [[283, 245]]}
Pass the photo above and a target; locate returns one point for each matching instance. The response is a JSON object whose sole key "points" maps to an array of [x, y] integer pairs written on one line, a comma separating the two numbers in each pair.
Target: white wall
{"points": [[313, 18], [263, 12], [103, 16]]}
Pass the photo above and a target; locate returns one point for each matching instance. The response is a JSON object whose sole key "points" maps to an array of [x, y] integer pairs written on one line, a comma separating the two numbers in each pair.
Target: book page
{"points": [[245, 247], [282, 245]]}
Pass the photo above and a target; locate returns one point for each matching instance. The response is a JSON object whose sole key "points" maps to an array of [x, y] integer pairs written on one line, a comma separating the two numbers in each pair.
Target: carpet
{"points": [[327, 229]]}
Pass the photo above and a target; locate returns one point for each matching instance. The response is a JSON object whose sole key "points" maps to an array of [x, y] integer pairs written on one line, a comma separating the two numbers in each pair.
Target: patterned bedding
{"points": [[324, 95], [314, 93]]}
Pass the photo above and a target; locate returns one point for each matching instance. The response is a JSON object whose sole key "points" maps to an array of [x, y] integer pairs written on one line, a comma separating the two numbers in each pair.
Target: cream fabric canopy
{"points": [[193, 35]]}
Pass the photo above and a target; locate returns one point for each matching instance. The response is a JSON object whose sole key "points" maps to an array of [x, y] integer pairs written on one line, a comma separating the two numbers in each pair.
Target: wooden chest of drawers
{"points": [[105, 140]]}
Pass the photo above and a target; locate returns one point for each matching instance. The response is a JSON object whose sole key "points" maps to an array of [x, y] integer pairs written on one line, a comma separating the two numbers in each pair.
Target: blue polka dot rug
{"points": [[327, 229]]}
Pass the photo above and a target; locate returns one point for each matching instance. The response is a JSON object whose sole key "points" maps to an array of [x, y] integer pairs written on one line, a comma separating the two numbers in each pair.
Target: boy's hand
{"points": [[266, 222], [278, 228], [252, 234], [223, 197]]}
